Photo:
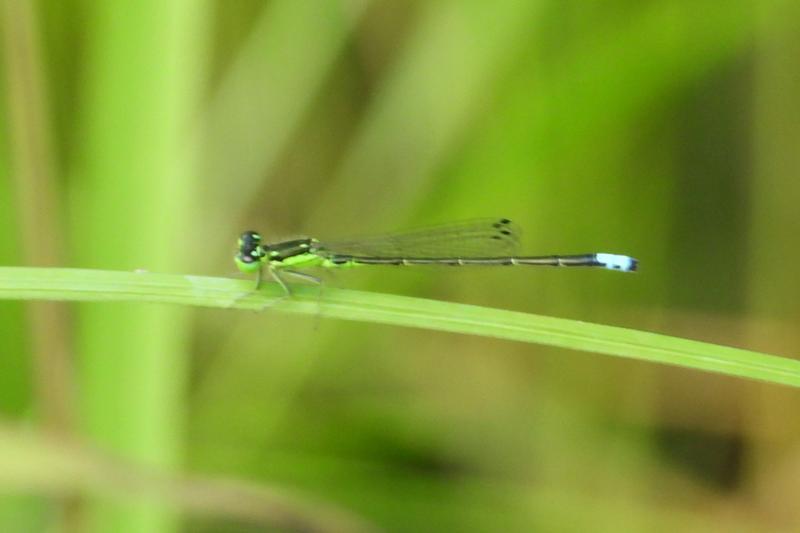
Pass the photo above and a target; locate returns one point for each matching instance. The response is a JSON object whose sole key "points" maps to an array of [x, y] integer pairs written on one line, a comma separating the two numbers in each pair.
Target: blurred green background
{"points": [[147, 134]]}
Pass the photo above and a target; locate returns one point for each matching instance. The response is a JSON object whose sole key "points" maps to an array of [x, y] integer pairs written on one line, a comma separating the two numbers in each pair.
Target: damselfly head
{"points": [[250, 253]]}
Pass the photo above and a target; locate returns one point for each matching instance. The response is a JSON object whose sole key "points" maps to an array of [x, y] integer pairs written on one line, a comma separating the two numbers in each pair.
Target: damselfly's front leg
{"points": [[259, 279], [316, 281], [276, 275]]}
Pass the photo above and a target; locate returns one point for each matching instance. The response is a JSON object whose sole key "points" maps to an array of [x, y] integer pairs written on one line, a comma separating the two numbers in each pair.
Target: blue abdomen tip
{"points": [[617, 262]]}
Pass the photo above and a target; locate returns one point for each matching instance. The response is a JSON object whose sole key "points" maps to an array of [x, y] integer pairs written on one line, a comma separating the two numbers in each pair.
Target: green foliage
{"points": [[142, 136]]}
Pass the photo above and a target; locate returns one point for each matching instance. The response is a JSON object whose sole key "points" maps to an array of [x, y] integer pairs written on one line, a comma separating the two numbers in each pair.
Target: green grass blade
{"points": [[133, 174], [107, 286]]}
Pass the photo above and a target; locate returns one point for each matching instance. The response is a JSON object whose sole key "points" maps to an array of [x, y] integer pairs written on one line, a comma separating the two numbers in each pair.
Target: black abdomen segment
{"points": [[583, 260]]}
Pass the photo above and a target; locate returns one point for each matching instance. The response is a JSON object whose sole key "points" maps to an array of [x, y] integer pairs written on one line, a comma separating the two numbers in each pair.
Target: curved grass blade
{"points": [[100, 285]]}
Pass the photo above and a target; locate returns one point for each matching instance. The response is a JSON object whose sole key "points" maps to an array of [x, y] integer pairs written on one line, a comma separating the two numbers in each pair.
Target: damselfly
{"points": [[483, 242]]}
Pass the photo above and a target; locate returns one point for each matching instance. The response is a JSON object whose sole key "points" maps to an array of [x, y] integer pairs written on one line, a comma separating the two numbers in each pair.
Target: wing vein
{"points": [[472, 238]]}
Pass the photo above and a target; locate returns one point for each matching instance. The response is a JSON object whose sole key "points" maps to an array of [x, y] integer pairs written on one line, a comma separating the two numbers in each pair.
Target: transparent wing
{"points": [[486, 237]]}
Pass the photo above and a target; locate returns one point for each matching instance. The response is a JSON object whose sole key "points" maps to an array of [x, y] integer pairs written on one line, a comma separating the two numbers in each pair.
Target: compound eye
{"points": [[249, 239]]}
